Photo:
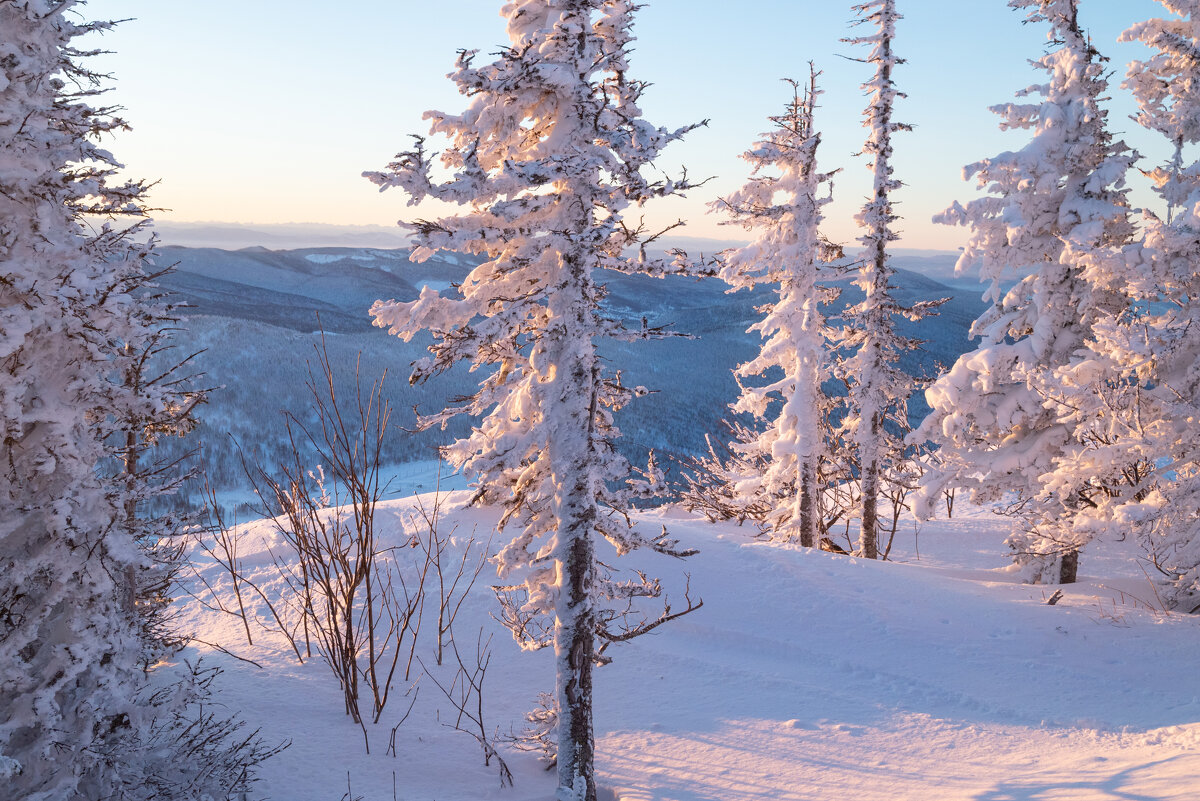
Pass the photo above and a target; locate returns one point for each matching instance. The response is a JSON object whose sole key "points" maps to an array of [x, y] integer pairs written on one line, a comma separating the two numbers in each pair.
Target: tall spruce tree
{"points": [[70, 637], [1156, 340], [82, 569], [1168, 95], [878, 388], [783, 201], [1009, 416], [549, 154]]}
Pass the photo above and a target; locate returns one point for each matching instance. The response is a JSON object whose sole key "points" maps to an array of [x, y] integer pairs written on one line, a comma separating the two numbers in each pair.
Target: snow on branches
{"points": [[549, 154], [1155, 340], [783, 201], [878, 388], [82, 573], [69, 643], [1009, 416], [1167, 92]]}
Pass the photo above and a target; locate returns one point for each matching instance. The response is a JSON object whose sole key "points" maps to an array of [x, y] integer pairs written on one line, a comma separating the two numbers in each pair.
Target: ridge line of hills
{"points": [[254, 313]]}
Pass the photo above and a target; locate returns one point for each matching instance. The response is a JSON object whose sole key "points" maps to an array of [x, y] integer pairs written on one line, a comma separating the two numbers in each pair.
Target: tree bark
{"points": [[574, 466], [574, 645], [808, 488], [1068, 568], [868, 538], [868, 541]]}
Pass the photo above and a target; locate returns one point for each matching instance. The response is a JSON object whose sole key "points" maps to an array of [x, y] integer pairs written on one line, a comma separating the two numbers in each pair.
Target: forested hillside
{"points": [[254, 315]]}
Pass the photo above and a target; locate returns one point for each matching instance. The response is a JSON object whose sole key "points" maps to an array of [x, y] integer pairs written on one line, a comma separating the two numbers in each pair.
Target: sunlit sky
{"points": [[269, 111]]}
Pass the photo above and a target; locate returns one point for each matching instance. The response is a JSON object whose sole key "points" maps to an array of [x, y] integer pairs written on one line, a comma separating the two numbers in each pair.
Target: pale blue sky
{"points": [[268, 111]]}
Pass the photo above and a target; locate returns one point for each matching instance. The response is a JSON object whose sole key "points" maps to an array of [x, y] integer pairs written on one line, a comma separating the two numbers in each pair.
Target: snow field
{"points": [[805, 675]]}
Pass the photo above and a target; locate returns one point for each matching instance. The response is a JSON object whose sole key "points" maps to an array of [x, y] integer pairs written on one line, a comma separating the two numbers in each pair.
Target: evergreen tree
{"points": [[160, 398], [782, 200], [69, 635], [878, 388], [1009, 416], [1167, 93], [1150, 421], [549, 154], [80, 718]]}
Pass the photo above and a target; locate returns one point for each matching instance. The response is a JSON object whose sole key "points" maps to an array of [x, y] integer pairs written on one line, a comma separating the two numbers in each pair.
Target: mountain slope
{"points": [[256, 311], [805, 675]]}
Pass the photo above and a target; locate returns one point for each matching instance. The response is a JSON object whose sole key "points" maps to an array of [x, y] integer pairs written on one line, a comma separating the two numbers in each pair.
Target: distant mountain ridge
{"points": [[255, 312], [938, 264]]}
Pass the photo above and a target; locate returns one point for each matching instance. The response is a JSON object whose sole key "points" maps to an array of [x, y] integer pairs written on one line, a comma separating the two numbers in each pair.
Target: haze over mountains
{"points": [[254, 313], [937, 264]]}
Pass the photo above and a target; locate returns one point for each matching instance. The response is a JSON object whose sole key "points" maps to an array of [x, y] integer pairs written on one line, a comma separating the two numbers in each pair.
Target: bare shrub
{"points": [[449, 576], [466, 696], [344, 595], [352, 602], [220, 542]]}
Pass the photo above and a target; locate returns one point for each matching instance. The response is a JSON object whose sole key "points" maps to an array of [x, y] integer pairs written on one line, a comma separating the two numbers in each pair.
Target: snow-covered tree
{"points": [[1150, 420], [878, 388], [68, 634], [79, 718], [549, 154], [1010, 416], [782, 201], [1146, 423], [160, 396], [1168, 94]]}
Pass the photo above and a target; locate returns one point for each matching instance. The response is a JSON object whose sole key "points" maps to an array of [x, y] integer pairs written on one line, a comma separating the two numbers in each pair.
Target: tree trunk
{"points": [[877, 217], [573, 465], [574, 645], [129, 592], [1068, 569], [868, 538], [808, 489]]}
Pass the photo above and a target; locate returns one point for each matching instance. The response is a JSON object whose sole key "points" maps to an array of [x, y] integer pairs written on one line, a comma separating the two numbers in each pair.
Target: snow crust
{"points": [[806, 675]]}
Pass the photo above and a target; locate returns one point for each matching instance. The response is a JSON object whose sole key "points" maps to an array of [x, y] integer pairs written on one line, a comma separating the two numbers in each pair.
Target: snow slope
{"points": [[805, 675]]}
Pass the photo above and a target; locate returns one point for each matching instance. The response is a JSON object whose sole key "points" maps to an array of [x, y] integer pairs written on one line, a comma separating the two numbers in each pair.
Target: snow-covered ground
{"points": [[806, 675]]}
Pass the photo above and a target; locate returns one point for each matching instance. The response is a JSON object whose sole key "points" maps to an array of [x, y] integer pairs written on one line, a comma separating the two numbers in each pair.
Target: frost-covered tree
{"points": [[878, 388], [1168, 94], [160, 395], [1009, 416], [79, 717], [782, 201], [549, 154], [1146, 423], [1149, 422]]}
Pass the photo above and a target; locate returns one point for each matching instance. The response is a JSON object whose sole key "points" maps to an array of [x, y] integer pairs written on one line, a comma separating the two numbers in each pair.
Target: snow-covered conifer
{"points": [[69, 640], [159, 397], [1168, 93], [78, 716], [549, 154], [1157, 339], [783, 201], [1146, 423], [1009, 416], [878, 388]]}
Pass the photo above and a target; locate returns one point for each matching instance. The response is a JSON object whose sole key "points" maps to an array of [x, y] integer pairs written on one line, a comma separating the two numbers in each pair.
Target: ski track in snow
{"points": [[805, 675]]}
